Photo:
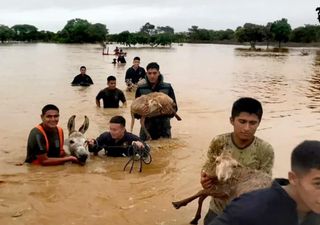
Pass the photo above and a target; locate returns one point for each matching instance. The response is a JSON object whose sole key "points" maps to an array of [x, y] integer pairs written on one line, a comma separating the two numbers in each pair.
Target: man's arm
{"points": [[98, 97], [123, 99], [266, 157], [46, 161], [172, 95]]}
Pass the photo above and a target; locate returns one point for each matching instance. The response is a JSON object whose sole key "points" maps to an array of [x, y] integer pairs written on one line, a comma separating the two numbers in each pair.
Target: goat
{"points": [[76, 143], [230, 181], [157, 104]]}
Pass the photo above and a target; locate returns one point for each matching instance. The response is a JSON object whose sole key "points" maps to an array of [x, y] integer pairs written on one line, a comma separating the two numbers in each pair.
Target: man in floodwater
{"points": [[293, 201], [45, 142], [82, 79], [157, 126], [248, 149], [134, 73]]}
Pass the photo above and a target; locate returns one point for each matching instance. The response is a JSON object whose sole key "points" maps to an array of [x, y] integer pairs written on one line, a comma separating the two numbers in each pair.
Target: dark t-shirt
{"points": [[135, 75], [270, 206], [37, 144], [82, 80], [113, 148], [111, 98]]}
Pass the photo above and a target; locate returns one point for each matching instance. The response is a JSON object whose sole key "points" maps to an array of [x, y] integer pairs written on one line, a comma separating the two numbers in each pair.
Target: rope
{"points": [[137, 154]]}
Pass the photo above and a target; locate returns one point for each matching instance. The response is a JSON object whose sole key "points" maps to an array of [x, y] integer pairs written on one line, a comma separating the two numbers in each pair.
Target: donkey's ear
{"points": [[71, 125], [85, 125]]}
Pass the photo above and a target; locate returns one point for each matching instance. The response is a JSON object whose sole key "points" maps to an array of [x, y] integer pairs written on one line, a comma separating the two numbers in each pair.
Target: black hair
{"points": [[48, 107], [136, 58], [153, 65], [82, 67], [248, 105], [306, 156], [118, 119], [110, 78]]}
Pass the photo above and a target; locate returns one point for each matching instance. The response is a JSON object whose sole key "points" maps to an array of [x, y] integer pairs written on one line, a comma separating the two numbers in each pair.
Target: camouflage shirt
{"points": [[258, 155]]}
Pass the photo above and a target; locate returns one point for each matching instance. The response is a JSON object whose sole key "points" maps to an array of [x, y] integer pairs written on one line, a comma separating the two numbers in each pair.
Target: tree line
{"points": [[81, 31]]}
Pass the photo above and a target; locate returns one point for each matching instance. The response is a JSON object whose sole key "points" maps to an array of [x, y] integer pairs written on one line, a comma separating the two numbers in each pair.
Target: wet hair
{"points": [[82, 67], [306, 156], [110, 78], [248, 105], [136, 58], [118, 119], [153, 65], [48, 107]]}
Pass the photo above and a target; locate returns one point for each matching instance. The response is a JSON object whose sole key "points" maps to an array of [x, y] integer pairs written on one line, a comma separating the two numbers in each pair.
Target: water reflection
{"points": [[313, 93]]}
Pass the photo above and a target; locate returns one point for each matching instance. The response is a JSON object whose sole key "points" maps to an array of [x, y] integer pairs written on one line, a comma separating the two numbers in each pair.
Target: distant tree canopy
{"points": [[318, 9], [81, 31]]}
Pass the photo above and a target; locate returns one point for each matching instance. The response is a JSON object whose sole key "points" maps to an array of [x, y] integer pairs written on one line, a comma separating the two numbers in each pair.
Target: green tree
{"points": [[281, 30], [250, 33], [166, 29], [268, 35], [6, 33], [98, 32], [148, 29], [25, 32]]}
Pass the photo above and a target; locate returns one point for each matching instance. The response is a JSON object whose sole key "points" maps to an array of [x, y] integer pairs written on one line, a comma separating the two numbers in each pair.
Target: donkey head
{"points": [[76, 144], [225, 165]]}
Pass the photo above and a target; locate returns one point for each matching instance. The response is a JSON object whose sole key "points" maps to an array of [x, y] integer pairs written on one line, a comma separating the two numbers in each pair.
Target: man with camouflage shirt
{"points": [[248, 149]]}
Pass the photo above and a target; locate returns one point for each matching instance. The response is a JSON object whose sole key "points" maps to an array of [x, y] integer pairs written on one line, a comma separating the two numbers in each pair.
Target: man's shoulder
{"points": [[262, 145], [129, 135]]}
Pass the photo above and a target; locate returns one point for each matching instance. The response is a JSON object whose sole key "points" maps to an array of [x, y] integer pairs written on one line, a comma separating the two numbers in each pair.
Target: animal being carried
{"points": [[76, 143], [230, 181], [152, 105]]}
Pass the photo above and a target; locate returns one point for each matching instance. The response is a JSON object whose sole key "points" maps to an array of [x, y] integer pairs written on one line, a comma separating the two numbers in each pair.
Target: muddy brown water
{"points": [[206, 79]]}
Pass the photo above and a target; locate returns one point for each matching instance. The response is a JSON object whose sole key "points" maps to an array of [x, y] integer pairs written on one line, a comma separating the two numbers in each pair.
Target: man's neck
{"points": [[241, 143], [302, 209]]}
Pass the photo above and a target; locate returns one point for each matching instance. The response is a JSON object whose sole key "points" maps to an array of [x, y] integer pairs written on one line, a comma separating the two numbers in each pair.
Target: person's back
{"points": [[245, 147], [111, 95], [82, 79]]}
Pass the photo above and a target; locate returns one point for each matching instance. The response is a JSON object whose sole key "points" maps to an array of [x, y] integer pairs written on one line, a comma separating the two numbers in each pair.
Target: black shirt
{"points": [[82, 80], [111, 98], [135, 75]]}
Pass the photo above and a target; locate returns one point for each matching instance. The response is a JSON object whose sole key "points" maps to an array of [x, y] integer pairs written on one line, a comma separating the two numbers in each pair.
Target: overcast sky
{"points": [[121, 15]]}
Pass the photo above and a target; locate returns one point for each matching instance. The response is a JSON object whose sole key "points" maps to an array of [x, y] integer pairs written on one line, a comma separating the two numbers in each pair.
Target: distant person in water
{"points": [[121, 58], [82, 79], [134, 73], [116, 51], [111, 95]]}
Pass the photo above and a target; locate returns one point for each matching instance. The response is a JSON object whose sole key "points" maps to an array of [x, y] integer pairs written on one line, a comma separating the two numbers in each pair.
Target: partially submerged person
{"points": [[121, 57], [82, 79], [135, 73], [117, 141], [157, 126], [111, 95], [116, 50], [45, 141], [246, 148], [293, 201]]}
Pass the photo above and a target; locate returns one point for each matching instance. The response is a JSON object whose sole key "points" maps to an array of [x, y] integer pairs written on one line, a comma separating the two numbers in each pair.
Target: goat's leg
{"points": [[198, 213], [142, 123], [186, 201]]}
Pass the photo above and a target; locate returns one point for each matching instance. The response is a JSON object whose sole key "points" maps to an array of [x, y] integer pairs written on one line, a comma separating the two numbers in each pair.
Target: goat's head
{"points": [[225, 164], [153, 105], [76, 144]]}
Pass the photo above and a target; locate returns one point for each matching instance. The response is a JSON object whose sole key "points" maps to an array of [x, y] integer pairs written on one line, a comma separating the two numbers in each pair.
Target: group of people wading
{"points": [[295, 200]]}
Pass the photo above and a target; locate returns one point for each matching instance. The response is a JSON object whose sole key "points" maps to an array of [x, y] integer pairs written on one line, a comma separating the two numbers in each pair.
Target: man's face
{"points": [[50, 119], [307, 187], [117, 131], [136, 63], [83, 71], [245, 125], [153, 75], [112, 84]]}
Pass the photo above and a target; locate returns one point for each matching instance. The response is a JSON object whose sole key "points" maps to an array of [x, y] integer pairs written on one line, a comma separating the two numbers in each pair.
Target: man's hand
{"points": [[91, 142], [205, 180], [139, 144]]}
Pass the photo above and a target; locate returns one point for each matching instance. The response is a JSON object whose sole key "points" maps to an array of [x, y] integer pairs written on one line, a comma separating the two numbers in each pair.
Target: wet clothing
{"points": [[135, 75], [121, 59], [112, 147], [258, 155], [111, 98], [157, 126], [270, 206], [82, 80], [37, 144]]}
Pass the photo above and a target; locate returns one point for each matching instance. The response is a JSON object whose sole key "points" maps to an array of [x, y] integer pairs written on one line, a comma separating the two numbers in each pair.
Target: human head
{"points": [[304, 176], [136, 62], [117, 127], [245, 117], [50, 116], [83, 70], [112, 82], [153, 72]]}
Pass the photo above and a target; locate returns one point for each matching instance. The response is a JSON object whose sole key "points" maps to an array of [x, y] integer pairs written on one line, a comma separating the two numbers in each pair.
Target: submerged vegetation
{"points": [[81, 31]]}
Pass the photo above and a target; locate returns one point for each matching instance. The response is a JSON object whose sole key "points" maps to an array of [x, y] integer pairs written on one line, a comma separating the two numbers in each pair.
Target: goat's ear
{"points": [[85, 125], [71, 125]]}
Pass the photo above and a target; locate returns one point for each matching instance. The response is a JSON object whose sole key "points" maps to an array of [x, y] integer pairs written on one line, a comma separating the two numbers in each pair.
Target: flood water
{"points": [[206, 79]]}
